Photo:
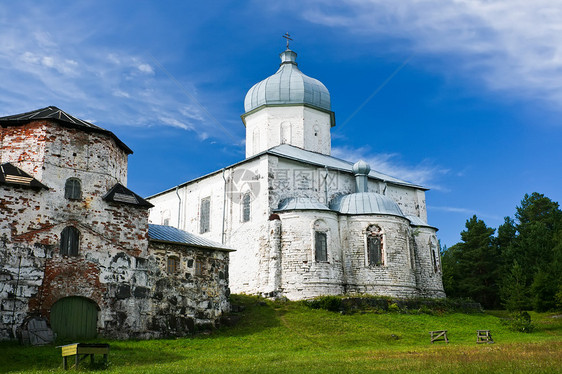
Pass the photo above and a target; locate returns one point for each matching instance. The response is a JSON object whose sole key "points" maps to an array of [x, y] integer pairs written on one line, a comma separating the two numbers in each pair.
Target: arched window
{"points": [[375, 254], [173, 265], [246, 207], [320, 241], [73, 189], [69, 241]]}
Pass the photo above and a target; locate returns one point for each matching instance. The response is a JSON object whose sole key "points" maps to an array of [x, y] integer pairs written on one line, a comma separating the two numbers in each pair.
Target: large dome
{"points": [[288, 86], [366, 203]]}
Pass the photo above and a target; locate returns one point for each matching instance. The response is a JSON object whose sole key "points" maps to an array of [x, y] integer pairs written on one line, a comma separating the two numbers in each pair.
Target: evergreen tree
{"points": [[476, 265]]}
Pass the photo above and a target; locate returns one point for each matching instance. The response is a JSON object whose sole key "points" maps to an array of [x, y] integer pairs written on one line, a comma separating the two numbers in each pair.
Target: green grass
{"points": [[276, 337]]}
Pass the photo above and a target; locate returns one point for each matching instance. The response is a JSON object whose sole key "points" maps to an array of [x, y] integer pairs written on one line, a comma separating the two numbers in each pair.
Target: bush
{"points": [[331, 303], [521, 321]]}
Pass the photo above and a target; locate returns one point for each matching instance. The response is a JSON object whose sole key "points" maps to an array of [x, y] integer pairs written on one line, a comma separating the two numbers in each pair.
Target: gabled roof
{"points": [[55, 114], [10, 174], [297, 154], [121, 194], [169, 234]]}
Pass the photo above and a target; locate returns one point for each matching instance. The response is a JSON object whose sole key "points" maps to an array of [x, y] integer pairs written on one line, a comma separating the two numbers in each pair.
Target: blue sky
{"points": [[463, 97]]}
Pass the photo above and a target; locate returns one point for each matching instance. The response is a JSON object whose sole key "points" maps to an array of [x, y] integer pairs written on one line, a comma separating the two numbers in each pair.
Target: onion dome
{"points": [[366, 203], [361, 168], [288, 86]]}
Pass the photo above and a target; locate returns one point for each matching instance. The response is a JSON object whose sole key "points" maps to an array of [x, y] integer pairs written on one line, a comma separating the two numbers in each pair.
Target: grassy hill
{"points": [[280, 337]]}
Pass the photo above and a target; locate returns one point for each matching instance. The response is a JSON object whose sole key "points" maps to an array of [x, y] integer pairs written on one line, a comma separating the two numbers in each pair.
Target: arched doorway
{"points": [[74, 317]]}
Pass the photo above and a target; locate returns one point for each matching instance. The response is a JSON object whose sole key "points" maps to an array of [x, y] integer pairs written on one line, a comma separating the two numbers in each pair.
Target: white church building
{"points": [[304, 223]]}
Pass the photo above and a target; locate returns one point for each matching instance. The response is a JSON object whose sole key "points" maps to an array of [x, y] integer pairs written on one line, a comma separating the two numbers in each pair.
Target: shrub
{"points": [[521, 321]]}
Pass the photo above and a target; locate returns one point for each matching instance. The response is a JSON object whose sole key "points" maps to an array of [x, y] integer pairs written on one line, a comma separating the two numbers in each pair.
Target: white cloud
{"points": [[425, 173], [63, 67], [510, 46], [146, 68]]}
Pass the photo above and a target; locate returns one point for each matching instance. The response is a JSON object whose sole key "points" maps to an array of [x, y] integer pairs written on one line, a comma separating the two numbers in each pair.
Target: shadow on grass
{"points": [[257, 314], [18, 358]]}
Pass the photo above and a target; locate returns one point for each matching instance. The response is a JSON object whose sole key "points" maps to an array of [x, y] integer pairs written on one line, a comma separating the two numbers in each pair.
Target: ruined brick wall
{"points": [[136, 297], [114, 266]]}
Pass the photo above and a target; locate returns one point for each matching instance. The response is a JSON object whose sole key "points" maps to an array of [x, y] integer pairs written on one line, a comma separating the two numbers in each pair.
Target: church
{"points": [[304, 223]]}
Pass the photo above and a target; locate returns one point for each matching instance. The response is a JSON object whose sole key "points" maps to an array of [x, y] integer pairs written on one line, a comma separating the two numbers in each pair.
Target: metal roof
{"points": [[121, 194], [298, 154], [417, 221], [61, 117], [169, 234], [288, 86], [10, 174], [301, 203], [366, 203]]}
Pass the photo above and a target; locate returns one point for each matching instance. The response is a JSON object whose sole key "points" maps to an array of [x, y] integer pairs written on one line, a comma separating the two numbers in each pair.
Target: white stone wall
{"points": [[297, 125], [249, 264], [428, 274], [302, 275]]}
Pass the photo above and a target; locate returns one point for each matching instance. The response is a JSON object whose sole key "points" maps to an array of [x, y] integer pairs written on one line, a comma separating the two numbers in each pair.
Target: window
{"points": [[246, 207], [72, 189], [320, 238], [69, 241], [173, 265], [433, 254], [374, 246], [198, 267], [204, 219], [321, 246]]}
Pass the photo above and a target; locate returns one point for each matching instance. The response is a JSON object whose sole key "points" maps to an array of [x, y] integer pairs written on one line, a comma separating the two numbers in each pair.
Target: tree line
{"points": [[519, 268]]}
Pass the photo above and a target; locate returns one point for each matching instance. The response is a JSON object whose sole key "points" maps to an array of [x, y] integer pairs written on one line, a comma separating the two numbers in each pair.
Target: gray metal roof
{"points": [[169, 234], [301, 203], [298, 154], [288, 86], [55, 114], [366, 203], [417, 221]]}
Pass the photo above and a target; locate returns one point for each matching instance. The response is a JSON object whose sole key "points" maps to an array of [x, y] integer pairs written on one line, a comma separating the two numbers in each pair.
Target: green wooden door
{"points": [[74, 318]]}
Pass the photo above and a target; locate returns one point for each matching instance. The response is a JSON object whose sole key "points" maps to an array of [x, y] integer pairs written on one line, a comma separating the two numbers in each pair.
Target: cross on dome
{"points": [[288, 37]]}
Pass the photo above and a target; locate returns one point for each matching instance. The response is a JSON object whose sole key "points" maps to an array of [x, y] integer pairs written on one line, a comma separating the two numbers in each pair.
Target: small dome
{"points": [[301, 203], [361, 168], [288, 86], [366, 203]]}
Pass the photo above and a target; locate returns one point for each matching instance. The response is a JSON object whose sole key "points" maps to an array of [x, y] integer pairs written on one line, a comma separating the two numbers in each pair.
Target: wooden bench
{"points": [[483, 336], [84, 350], [439, 335]]}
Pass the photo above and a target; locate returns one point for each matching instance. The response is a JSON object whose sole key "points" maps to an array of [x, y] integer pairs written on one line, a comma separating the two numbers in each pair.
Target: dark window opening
{"points": [[321, 246], [246, 208], [73, 189], [204, 224], [374, 246], [70, 239]]}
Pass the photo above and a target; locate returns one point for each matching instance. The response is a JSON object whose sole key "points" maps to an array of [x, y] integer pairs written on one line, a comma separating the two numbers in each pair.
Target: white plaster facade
{"points": [[296, 191]]}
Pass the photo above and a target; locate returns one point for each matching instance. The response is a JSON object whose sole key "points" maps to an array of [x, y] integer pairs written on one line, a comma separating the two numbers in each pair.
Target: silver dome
{"points": [[366, 203], [288, 86]]}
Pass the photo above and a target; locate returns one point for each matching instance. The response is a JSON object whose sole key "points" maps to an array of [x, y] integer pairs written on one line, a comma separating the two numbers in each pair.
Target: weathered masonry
{"points": [[305, 223], [74, 237]]}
